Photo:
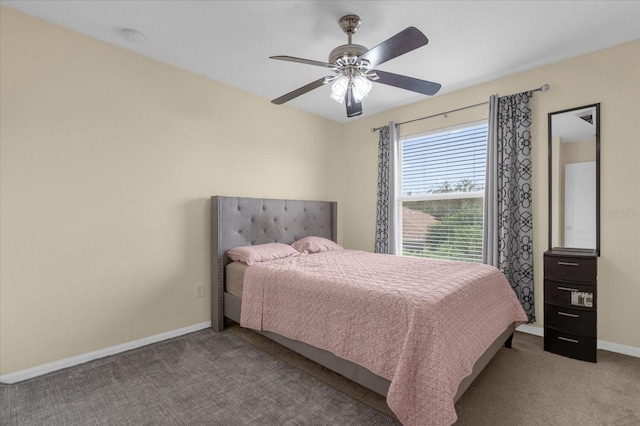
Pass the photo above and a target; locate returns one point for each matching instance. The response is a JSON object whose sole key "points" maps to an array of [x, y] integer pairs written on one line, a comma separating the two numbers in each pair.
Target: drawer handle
{"points": [[566, 339], [568, 289], [568, 264], [569, 315]]}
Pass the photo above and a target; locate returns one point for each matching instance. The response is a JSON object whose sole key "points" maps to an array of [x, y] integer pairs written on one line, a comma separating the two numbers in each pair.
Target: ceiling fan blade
{"points": [[405, 41], [353, 108], [300, 91], [302, 61], [408, 83]]}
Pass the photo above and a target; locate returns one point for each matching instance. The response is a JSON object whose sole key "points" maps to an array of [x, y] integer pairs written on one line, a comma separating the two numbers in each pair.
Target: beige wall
{"points": [[578, 152], [611, 77], [107, 160]]}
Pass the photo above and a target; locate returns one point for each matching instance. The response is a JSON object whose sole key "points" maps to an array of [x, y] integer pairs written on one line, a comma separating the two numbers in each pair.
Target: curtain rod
{"points": [[542, 88]]}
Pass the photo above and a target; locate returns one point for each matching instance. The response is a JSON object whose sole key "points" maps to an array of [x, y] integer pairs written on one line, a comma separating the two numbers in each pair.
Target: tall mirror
{"points": [[574, 178]]}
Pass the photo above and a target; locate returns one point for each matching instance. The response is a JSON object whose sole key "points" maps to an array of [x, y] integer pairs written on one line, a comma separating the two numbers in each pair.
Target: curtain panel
{"points": [[385, 206], [508, 239]]}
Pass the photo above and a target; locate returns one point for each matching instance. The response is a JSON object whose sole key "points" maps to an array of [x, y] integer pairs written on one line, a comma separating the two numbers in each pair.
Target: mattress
{"points": [[235, 278]]}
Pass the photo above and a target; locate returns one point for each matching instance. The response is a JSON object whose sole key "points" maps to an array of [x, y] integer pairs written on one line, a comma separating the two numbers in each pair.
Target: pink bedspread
{"points": [[419, 323]]}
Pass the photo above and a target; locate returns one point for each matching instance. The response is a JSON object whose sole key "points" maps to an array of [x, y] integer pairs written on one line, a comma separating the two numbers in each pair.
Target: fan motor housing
{"points": [[349, 50]]}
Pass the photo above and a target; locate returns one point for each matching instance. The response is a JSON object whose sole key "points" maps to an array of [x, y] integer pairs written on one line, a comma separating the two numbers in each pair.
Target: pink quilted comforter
{"points": [[419, 323]]}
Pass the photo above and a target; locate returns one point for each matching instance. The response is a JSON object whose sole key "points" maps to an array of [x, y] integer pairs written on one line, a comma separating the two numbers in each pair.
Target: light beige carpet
{"points": [[521, 386]]}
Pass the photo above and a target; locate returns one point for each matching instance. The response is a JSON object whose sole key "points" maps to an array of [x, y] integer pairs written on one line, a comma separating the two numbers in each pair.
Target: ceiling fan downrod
{"points": [[349, 25]]}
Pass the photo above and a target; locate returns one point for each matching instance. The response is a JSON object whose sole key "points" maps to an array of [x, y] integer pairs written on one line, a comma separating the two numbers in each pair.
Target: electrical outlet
{"points": [[199, 290]]}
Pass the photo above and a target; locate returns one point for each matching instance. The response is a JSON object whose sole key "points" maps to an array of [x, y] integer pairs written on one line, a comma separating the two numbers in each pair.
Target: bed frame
{"points": [[239, 221]]}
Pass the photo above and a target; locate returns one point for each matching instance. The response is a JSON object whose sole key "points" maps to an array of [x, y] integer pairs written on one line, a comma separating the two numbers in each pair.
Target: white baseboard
{"points": [[618, 348], [50, 367], [602, 344], [529, 329]]}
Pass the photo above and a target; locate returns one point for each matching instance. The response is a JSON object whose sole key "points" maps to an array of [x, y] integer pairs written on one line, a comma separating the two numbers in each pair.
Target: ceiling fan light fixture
{"points": [[339, 88], [361, 88]]}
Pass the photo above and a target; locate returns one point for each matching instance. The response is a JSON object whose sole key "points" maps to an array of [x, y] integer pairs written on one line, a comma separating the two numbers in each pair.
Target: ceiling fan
{"points": [[354, 68]]}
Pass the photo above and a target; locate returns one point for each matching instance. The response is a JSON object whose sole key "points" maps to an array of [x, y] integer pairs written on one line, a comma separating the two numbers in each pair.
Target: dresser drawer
{"points": [[575, 269], [570, 345], [576, 321], [561, 293]]}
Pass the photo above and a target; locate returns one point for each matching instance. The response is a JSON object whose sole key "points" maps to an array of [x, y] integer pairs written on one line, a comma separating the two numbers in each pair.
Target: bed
{"points": [[239, 221]]}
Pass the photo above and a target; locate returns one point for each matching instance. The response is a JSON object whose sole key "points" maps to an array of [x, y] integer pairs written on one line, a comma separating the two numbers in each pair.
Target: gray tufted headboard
{"points": [[237, 221]]}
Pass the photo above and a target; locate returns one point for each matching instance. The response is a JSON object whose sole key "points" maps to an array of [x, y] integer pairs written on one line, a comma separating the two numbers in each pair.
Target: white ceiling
{"points": [[470, 42]]}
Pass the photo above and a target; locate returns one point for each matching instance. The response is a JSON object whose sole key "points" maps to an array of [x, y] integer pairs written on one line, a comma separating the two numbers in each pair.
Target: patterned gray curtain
{"points": [[508, 220], [385, 233]]}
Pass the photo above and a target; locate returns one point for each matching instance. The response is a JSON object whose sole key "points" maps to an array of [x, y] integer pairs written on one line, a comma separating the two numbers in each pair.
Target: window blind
{"points": [[442, 180]]}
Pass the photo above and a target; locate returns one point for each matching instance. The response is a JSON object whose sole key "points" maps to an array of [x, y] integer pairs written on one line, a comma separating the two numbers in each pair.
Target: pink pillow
{"points": [[261, 253], [315, 245]]}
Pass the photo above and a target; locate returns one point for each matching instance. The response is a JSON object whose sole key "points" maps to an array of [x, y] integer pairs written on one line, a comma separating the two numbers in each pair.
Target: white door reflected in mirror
{"points": [[580, 205]]}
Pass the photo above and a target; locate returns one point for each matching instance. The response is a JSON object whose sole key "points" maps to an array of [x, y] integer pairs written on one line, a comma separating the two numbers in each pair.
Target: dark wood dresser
{"points": [[570, 303]]}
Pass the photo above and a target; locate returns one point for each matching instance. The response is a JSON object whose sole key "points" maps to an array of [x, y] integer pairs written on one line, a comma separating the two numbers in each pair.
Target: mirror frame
{"points": [[550, 148]]}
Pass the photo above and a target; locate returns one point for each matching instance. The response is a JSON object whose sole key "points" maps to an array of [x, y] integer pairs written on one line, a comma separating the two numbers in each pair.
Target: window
{"points": [[441, 176]]}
